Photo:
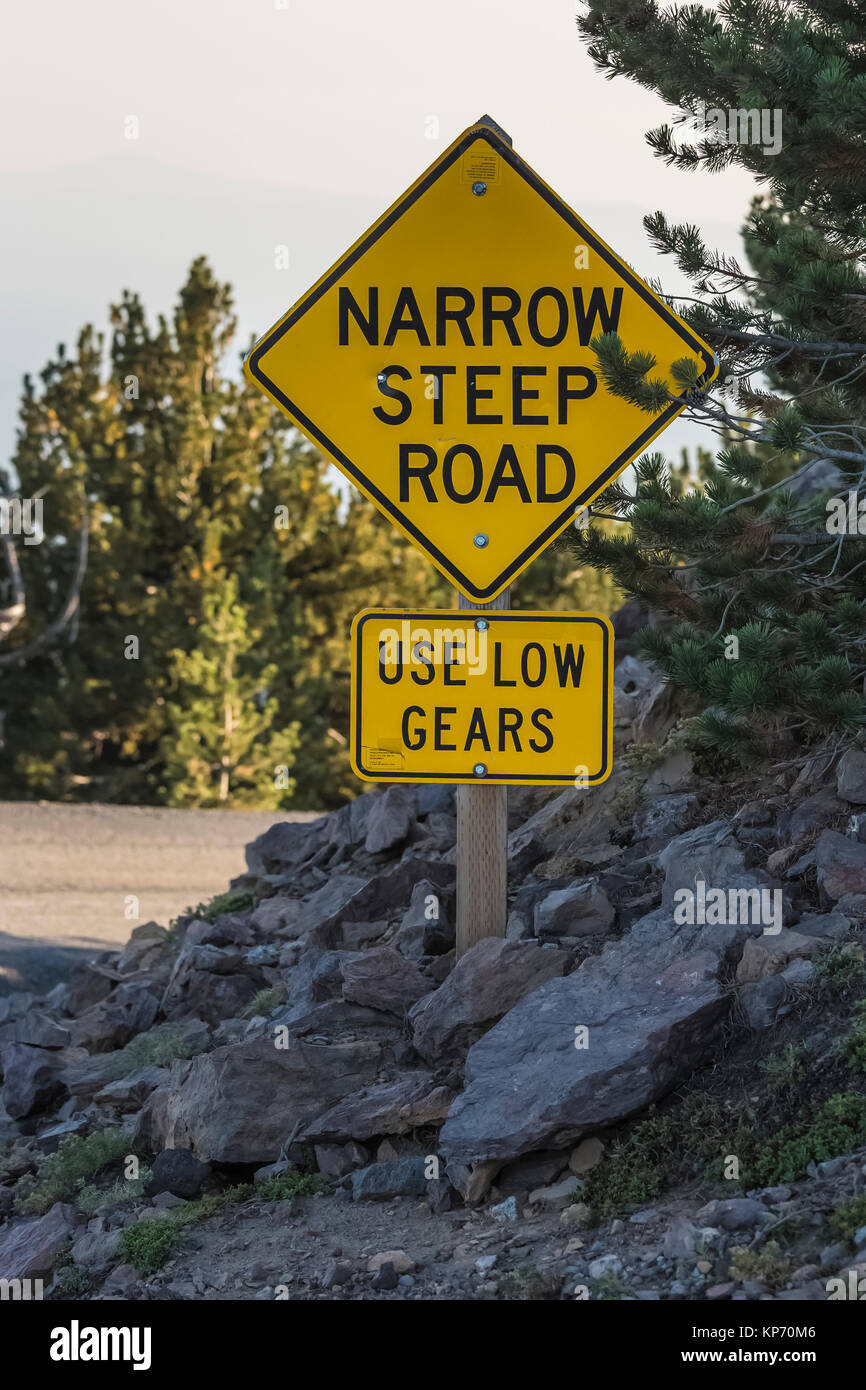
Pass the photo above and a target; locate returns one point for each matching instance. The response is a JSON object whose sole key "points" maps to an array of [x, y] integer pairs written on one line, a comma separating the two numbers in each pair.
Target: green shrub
{"points": [[62, 1174], [768, 1265], [291, 1183], [840, 970], [849, 1218], [222, 904], [148, 1244], [158, 1048], [855, 1044], [125, 1190], [265, 1002], [837, 1127]]}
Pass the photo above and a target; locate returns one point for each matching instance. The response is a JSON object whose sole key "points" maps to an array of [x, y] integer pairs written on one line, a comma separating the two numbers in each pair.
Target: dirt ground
{"points": [[67, 872]]}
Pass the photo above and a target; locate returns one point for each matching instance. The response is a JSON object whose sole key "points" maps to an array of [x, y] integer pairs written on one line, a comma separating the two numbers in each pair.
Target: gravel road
{"points": [[66, 873]]}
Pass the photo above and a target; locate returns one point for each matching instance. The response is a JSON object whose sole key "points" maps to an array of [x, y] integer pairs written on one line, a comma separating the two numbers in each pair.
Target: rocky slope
{"points": [[307, 1049]]}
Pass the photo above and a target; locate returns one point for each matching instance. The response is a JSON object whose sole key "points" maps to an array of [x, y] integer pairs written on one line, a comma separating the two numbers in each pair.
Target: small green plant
{"points": [[527, 1283], [71, 1282], [786, 1067], [638, 1167], [120, 1193], [61, 1175], [768, 1266], [265, 1002], [838, 1126], [849, 1218], [148, 1244], [855, 1044], [840, 970], [291, 1183], [607, 1288], [159, 1047], [222, 904]]}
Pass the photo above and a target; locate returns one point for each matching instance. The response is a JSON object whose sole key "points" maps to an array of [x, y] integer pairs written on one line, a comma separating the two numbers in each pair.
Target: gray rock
{"points": [[679, 1241], [427, 927], [652, 1003], [177, 1171], [760, 1001], [391, 819], [336, 1160], [733, 1213], [37, 1030], [238, 1104], [829, 926], [485, 983], [656, 822], [841, 865], [130, 1092], [129, 1009], [286, 845], [504, 1212], [391, 1107], [433, 797], [29, 1249], [326, 902], [851, 777], [379, 898], [812, 814], [382, 978], [535, 1170], [95, 1250], [605, 1266], [581, 910], [385, 1276], [380, 1181], [33, 1077]]}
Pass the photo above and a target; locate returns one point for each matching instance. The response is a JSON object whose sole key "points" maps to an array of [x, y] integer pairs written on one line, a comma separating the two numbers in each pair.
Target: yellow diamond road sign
{"points": [[501, 697], [444, 363]]}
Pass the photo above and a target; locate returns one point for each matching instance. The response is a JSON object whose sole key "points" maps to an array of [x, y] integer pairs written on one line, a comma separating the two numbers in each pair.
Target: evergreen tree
{"points": [[768, 603], [185, 474], [221, 746]]}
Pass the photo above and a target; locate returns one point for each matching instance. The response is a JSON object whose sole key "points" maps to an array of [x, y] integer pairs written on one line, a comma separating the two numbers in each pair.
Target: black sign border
{"points": [[385, 503], [467, 615]]}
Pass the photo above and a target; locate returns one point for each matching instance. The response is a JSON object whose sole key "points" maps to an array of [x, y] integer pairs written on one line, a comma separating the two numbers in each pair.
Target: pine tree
{"points": [[185, 473], [767, 604], [221, 746]]}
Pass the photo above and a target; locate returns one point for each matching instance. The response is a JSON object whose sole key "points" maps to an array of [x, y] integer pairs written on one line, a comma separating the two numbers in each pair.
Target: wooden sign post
{"points": [[482, 845]]}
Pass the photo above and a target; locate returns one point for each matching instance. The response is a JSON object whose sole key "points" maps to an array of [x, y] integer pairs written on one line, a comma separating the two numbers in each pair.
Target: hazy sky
{"points": [[288, 122]]}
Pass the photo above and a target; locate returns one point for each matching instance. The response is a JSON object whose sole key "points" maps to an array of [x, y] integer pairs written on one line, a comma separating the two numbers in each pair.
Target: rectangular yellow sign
{"points": [[469, 696]]}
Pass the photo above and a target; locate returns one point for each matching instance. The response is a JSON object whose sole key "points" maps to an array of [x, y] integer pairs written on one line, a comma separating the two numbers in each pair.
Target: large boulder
{"points": [[240, 1104], [390, 1107], [378, 898], [581, 909], [286, 845], [30, 1250], [841, 865], [651, 1006], [130, 1009], [382, 978], [851, 777], [390, 820], [485, 983], [33, 1077]]}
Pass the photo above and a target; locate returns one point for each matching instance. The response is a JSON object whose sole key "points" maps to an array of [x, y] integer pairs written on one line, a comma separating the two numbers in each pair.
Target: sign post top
{"points": [[444, 363]]}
